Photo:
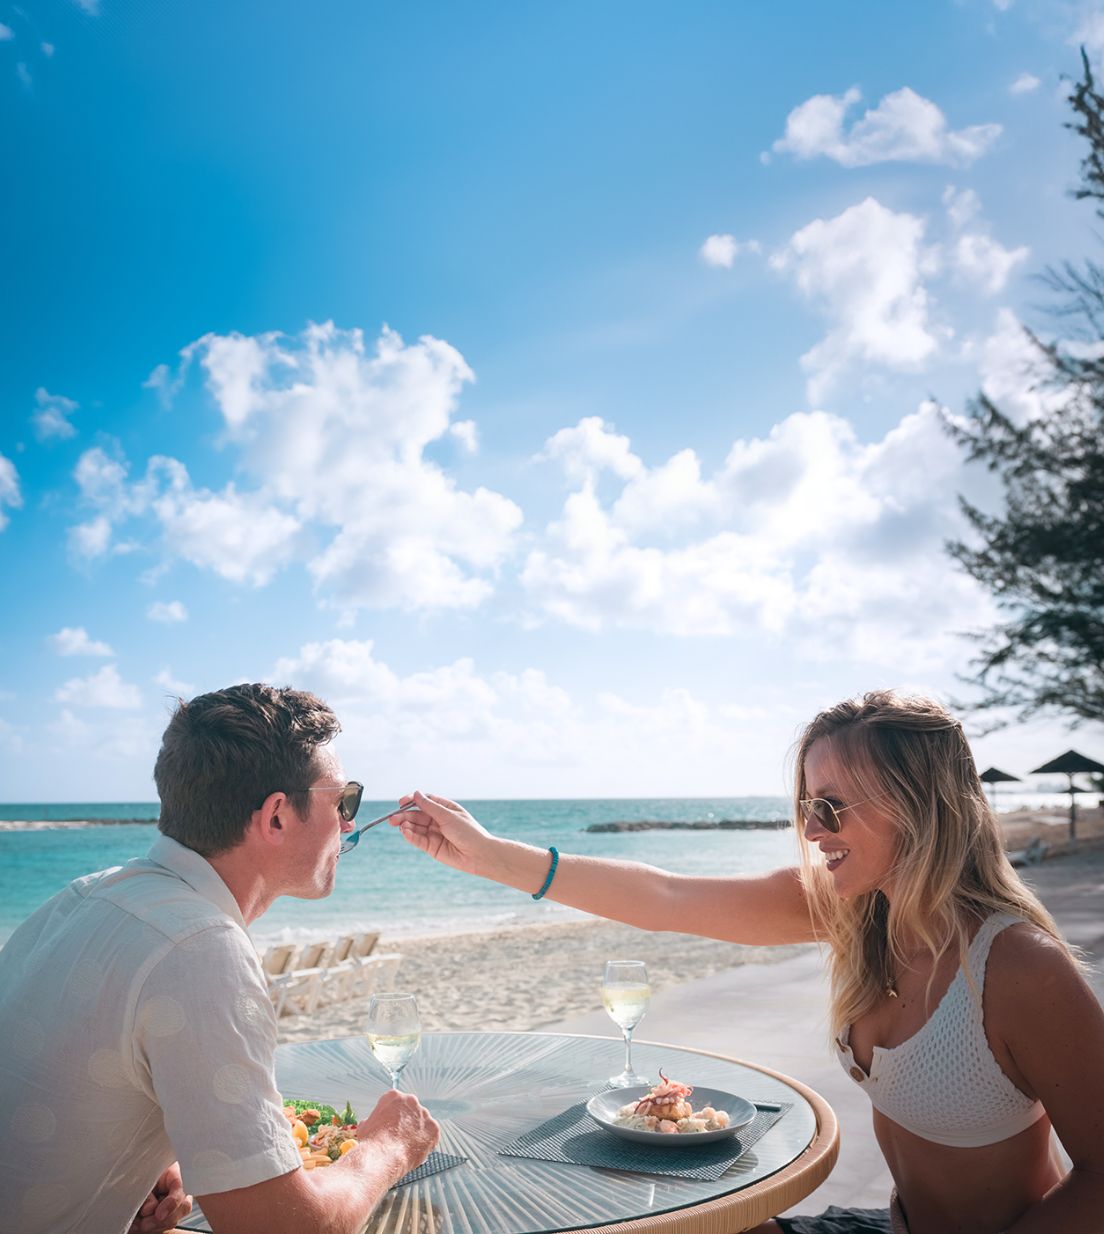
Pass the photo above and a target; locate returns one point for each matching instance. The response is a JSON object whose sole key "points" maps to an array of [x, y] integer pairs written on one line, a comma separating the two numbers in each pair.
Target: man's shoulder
{"points": [[157, 898]]}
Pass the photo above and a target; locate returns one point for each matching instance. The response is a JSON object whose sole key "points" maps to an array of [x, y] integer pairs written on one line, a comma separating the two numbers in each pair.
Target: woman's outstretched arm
{"points": [[755, 909]]}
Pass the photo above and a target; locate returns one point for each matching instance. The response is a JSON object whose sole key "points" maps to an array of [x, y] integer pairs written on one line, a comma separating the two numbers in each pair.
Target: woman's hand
{"points": [[444, 830], [165, 1206]]}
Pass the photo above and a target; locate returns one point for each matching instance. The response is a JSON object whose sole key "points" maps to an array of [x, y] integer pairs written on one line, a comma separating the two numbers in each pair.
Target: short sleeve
{"points": [[205, 1036]]}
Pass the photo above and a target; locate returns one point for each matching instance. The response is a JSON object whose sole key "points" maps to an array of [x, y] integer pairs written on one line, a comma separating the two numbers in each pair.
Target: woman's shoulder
{"points": [[1026, 965]]}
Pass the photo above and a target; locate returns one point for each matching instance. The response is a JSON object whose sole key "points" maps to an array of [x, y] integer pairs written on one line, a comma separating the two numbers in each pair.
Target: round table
{"points": [[485, 1089]]}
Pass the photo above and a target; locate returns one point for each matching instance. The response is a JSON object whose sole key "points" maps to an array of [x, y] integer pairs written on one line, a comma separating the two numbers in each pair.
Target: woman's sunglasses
{"points": [[826, 813]]}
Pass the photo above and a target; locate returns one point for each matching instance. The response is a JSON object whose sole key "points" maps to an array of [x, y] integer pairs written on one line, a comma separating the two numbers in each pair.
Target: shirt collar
{"points": [[198, 873]]}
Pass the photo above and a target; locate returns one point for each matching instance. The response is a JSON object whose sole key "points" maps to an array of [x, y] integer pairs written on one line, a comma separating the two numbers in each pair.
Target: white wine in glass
{"points": [[625, 994], [394, 1031]]}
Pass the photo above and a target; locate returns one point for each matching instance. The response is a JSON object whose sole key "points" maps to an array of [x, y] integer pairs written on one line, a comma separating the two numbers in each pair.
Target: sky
{"points": [[555, 389]]}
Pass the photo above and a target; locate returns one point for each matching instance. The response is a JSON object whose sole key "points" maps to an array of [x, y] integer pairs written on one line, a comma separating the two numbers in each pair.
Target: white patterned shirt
{"points": [[136, 1031]]}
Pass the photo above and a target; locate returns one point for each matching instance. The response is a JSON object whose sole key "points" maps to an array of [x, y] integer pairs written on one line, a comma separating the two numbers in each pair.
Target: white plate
{"points": [[604, 1107]]}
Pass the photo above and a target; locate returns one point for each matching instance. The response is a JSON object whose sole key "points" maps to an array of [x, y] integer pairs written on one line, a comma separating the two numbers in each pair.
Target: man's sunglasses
{"points": [[827, 813], [349, 801]]}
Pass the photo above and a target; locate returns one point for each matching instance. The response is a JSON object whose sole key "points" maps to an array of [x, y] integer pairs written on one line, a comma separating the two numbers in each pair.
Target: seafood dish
{"points": [[666, 1109], [665, 1113]]}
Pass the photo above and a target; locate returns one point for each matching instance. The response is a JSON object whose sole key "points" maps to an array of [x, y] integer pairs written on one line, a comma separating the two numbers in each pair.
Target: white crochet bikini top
{"points": [[943, 1083]]}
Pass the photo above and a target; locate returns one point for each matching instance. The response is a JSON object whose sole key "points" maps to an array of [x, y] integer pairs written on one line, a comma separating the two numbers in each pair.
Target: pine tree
{"points": [[1042, 556]]}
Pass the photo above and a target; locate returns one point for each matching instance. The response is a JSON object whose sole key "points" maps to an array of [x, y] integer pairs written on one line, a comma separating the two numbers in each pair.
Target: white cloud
{"points": [[6, 33], [450, 724], [166, 385], [91, 7], [722, 250], [1090, 33], [333, 435], [90, 540], [866, 267], [51, 417], [1003, 5], [24, 75], [169, 612], [74, 641], [590, 448], [904, 127], [48, 50], [982, 260], [241, 537], [238, 536], [762, 539], [467, 434], [102, 480], [1012, 375], [963, 206], [103, 689], [169, 683], [9, 489], [1024, 84], [126, 739], [975, 256]]}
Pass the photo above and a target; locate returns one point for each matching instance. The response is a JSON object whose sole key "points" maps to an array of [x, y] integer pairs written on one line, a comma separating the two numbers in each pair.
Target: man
{"points": [[138, 1037]]}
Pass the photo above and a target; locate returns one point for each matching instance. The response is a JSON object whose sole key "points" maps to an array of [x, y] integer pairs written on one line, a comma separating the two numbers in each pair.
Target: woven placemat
{"points": [[574, 1138], [435, 1163]]}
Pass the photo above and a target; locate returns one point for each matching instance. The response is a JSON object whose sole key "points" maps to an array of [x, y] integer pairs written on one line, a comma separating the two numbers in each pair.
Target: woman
{"points": [[955, 1003]]}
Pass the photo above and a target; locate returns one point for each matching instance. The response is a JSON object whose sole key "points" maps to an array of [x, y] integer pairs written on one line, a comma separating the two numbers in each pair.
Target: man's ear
{"points": [[269, 823]]}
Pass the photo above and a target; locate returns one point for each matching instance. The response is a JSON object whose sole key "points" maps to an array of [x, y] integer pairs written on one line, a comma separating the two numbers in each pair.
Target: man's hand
{"points": [[444, 830], [165, 1207], [402, 1124]]}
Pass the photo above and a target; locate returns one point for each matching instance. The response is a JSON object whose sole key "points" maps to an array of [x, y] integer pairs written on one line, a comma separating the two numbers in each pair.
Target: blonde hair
{"points": [[949, 867]]}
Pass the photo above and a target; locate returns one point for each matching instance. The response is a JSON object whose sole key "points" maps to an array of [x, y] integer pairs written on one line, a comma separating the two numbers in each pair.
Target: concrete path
{"points": [[775, 1014]]}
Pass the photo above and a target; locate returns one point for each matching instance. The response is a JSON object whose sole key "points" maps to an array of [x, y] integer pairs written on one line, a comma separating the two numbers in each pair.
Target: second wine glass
{"points": [[625, 995], [394, 1031]]}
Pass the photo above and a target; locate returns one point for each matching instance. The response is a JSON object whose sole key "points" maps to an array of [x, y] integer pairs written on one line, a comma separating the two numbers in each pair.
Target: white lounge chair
{"points": [[298, 991], [279, 959], [364, 944]]}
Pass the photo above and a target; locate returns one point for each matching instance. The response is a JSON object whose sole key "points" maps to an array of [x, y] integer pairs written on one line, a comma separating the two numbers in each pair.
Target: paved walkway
{"points": [[775, 1014]]}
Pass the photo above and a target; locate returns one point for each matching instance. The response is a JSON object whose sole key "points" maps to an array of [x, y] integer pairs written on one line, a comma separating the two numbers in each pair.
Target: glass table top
{"points": [[486, 1089]]}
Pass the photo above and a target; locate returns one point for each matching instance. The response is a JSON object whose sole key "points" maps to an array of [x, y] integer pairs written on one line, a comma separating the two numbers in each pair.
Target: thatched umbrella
{"points": [[1070, 764], [994, 776]]}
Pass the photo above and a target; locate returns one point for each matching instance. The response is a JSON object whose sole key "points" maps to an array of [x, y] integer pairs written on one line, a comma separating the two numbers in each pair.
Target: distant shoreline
{"points": [[65, 824]]}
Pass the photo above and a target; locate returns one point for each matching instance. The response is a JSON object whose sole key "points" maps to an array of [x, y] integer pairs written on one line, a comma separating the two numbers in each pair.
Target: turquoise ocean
{"points": [[385, 884]]}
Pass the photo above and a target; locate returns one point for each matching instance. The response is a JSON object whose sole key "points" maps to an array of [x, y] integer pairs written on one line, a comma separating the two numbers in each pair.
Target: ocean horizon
{"points": [[386, 885]]}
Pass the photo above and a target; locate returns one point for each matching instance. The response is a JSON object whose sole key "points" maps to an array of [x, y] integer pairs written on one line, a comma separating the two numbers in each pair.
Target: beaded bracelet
{"points": [[551, 874]]}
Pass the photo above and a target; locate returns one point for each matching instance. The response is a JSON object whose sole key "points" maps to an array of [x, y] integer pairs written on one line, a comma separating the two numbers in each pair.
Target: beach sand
{"points": [[528, 978], [533, 977]]}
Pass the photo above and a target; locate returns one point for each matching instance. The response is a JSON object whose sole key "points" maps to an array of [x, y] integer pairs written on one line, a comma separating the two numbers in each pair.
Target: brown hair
{"points": [[223, 753], [949, 870]]}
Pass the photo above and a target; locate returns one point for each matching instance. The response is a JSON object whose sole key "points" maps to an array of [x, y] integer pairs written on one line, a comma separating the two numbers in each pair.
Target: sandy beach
{"points": [[533, 977]]}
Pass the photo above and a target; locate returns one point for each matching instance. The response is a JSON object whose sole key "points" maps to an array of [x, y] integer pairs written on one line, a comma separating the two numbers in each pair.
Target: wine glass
{"points": [[625, 994], [394, 1031]]}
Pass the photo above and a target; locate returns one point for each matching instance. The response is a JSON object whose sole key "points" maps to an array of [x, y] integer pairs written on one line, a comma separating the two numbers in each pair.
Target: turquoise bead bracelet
{"points": [[551, 874]]}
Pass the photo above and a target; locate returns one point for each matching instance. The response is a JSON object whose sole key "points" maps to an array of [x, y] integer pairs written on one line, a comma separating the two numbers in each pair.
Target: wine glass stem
{"points": [[628, 1050]]}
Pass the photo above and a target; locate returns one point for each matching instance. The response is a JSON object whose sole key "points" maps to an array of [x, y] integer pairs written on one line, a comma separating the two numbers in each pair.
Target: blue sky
{"points": [[546, 386]]}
